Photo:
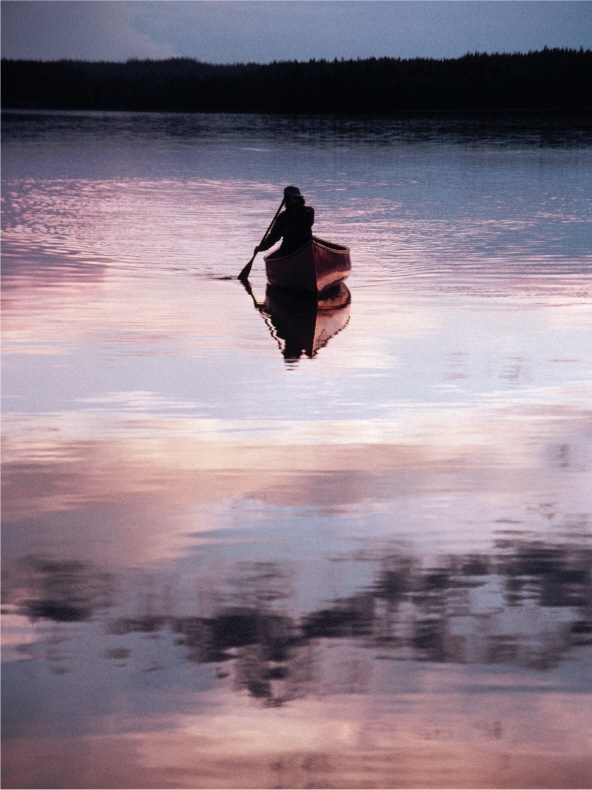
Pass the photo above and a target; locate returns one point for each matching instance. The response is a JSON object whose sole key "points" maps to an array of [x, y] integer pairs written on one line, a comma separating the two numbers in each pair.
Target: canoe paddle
{"points": [[247, 269]]}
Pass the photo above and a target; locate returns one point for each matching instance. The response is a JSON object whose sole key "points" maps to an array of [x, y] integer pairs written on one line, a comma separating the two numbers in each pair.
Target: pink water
{"points": [[227, 566]]}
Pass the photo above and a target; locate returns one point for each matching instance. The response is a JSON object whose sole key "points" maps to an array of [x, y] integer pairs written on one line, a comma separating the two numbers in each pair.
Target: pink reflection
{"points": [[331, 743], [230, 574]]}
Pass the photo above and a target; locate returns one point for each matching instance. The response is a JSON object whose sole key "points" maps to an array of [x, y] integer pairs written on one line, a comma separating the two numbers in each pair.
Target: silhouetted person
{"points": [[293, 225]]}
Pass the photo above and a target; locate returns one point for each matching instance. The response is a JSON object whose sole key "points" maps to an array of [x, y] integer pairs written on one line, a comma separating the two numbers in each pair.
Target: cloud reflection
{"points": [[476, 658], [371, 570]]}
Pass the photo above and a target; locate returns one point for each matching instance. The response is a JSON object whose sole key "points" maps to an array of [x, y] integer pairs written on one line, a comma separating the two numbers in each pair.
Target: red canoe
{"points": [[316, 267]]}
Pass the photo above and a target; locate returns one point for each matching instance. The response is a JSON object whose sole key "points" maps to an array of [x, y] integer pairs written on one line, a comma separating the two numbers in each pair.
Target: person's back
{"points": [[293, 225]]}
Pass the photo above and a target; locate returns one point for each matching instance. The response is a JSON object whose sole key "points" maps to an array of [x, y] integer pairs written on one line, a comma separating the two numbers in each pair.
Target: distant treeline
{"points": [[551, 79]]}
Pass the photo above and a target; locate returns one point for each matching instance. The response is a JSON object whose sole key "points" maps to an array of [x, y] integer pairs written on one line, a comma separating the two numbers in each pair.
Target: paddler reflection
{"points": [[301, 323]]}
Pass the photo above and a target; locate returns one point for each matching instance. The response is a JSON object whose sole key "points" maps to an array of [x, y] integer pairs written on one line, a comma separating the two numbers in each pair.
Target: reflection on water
{"points": [[506, 626], [518, 130], [300, 322], [364, 561], [62, 591], [527, 604]]}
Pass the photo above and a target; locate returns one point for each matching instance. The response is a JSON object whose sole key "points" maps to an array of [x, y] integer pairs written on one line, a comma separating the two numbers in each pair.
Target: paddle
{"points": [[247, 269]]}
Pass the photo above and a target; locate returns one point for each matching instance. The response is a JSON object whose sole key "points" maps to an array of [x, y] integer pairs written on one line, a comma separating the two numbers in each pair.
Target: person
{"points": [[293, 225]]}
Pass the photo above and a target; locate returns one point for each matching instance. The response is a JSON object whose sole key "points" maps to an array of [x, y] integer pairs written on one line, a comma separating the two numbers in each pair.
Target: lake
{"points": [[252, 542]]}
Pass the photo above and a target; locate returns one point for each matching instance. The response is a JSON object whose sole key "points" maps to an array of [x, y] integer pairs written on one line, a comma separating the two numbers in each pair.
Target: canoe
{"points": [[315, 267], [303, 323]]}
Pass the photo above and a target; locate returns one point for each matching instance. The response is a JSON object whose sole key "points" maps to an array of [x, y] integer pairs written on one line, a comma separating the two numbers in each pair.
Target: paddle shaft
{"points": [[247, 269]]}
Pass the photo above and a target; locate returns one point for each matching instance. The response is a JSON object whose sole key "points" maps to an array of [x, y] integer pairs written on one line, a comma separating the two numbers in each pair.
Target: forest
{"points": [[549, 79]]}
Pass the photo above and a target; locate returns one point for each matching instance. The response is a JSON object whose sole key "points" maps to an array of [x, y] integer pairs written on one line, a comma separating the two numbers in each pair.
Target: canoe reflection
{"points": [[301, 323]]}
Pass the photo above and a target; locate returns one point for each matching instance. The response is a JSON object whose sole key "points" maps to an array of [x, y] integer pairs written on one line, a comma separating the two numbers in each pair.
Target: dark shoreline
{"points": [[551, 81]]}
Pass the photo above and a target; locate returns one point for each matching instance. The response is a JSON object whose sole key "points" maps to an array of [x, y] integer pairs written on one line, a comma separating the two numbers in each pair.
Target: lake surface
{"points": [[251, 543]]}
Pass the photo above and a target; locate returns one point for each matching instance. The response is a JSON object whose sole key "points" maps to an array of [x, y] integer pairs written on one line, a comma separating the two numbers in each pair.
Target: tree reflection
{"points": [[62, 591], [524, 604]]}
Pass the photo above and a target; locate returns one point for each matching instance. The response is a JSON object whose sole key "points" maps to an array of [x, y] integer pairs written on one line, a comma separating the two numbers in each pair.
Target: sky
{"points": [[246, 31]]}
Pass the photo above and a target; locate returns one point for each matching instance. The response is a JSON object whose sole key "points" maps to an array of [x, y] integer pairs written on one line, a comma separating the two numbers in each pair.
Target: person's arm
{"points": [[274, 235]]}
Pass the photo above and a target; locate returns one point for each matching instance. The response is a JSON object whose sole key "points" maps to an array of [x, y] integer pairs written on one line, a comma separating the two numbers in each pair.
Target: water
{"points": [[273, 548]]}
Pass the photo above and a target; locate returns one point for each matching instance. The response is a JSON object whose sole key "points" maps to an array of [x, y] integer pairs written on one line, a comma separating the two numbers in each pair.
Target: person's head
{"points": [[293, 196]]}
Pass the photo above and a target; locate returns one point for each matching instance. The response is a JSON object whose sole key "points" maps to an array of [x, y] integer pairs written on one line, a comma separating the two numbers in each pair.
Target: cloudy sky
{"points": [[223, 32]]}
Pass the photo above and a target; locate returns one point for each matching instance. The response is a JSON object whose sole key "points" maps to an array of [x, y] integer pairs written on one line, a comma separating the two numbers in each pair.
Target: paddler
{"points": [[293, 225]]}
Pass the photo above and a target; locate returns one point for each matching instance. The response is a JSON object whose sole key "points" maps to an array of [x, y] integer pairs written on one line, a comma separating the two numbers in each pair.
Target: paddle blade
{"points": [[247, 270]]}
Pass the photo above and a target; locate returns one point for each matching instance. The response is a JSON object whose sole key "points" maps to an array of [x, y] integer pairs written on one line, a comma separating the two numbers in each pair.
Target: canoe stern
{"points": [[293, 271], [332, 264], [315, 268]]}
